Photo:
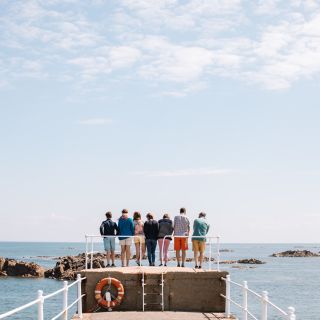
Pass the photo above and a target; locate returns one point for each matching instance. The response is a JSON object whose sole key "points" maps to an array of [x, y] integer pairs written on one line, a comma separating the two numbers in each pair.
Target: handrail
{"points": [[264, 300], [41, 298], [89, 254]]}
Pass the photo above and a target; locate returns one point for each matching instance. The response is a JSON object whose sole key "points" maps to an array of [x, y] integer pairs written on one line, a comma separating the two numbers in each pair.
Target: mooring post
{"points": [[40, 305]]}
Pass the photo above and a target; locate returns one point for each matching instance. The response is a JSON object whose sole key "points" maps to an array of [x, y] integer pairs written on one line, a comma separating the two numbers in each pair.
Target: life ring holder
{"points": [[102, 302]]}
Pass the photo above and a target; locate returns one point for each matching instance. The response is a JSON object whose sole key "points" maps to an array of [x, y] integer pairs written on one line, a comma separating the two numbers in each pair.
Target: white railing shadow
{"points": [[41, 299], [264, 301]]}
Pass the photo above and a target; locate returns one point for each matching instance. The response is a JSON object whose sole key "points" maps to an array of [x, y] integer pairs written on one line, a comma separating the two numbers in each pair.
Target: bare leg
{"points": [[195, 257], [108, 257], [112, 257], [143, 249], [178, 257], [128, 254], [123, 253], [201, 258], [183, 257], [137, 251]]}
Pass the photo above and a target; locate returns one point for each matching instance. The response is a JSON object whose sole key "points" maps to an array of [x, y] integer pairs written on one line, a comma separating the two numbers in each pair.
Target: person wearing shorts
{"points": [[139, 240], [200, 230], [181, 228], [126, 228], [109, 228], [164, 238]]}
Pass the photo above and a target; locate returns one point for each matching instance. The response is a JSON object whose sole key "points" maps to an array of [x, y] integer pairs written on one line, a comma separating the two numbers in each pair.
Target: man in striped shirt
{"points": [[181, 228]]}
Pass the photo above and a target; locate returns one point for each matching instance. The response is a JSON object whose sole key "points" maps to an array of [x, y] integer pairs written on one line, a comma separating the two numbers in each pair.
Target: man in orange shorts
{"points": [[181, 232]]}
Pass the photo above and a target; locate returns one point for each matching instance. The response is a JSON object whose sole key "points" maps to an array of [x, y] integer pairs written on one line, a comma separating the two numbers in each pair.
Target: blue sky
{"points": [[153, 105]]}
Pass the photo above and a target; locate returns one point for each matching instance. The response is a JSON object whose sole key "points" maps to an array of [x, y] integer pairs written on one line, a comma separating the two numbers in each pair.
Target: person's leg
{"points": [[143, 247], [112, 248], [177, 248], [165, 250], [128, 254], [148, 243], [202, 250], [153, 251], [195, 253], [184, 247], [123, 254], [137, 245], [160, 243]]}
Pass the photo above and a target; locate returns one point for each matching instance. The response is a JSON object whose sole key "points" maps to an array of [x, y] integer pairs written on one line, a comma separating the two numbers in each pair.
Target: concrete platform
{"points": [[166, 315], [185, 289]]}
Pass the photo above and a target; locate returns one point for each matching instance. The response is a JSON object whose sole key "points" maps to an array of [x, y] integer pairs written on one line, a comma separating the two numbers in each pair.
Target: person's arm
{"points": [[132, 227], [208, 227], [116, 229], [188, 227], [101, 228]]}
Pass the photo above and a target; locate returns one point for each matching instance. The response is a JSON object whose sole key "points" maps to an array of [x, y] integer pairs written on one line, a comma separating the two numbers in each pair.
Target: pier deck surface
{"points": [[158, 315]]}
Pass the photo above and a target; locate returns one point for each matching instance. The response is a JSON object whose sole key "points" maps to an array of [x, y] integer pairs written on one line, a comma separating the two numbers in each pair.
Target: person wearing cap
{"points": [[200, 230], [126, 229]]}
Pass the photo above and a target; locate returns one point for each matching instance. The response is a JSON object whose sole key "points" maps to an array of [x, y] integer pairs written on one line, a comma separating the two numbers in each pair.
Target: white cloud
{"points": [[95, 121], [185, 172]]}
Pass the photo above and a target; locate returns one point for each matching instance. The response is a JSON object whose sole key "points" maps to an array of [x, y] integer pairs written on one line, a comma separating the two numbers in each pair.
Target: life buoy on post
{"points": [[108, 282]]}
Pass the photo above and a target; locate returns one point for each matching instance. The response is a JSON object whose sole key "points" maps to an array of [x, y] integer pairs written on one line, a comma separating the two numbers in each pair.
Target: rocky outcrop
{"points": [[296, 254], [250, 261], [12, 267], [67, 267]]}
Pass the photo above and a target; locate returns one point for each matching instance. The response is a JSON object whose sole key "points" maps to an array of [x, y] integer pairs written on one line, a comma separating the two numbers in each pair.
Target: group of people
{"points": [[146, 235]]}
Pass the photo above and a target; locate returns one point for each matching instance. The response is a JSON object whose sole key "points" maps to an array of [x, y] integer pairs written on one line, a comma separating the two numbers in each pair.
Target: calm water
{"points": [[289, 281]]}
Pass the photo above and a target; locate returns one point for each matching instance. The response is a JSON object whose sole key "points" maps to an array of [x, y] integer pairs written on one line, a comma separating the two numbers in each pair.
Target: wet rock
{"points": [[228, 261], [225, 250], [12, 267], [296, 254], [250, 261]]}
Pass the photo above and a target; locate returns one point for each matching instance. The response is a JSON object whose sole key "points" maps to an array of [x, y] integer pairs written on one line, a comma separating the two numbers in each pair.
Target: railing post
{"points": [[227, 307], [65, 300], [86, 267], [40, 305], [210, 253], [91, 256], [79, 296], [218, 253], [264, 305], [291, 313], [245, 300]]}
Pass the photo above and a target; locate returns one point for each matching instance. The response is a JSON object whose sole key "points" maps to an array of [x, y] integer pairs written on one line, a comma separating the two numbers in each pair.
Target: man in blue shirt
{"points": [[200, 229], [126, 228]]}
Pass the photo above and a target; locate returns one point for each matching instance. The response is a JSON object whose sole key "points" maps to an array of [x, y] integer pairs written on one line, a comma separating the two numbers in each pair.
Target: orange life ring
{"points": [[101, 300]]}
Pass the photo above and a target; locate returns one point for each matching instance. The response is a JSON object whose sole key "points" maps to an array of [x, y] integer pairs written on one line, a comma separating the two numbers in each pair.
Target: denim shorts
{"points": [[109, 243]]}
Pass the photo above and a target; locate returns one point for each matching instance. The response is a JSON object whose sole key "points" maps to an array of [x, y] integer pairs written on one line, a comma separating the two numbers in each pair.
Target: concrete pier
{"points": [[185, 289]]}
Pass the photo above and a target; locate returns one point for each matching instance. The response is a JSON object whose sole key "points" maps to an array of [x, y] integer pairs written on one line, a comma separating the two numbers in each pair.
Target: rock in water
{"points": [[12, 267], [250, 261], [296, 254]]}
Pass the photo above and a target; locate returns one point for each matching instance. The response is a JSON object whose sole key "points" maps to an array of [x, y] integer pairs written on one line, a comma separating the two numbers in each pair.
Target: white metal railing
{"points": [[264, 301], [90, 238], [41, 299]]}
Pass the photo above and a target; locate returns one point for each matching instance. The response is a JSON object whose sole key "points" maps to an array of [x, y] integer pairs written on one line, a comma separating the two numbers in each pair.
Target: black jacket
{"points": [[109, 228], [165, 228], [151, 229]]}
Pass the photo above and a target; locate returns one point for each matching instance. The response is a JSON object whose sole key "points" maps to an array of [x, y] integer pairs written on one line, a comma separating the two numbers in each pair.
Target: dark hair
{"points": [[149, 216], [136, 215], [183, 210], [125, 211], [166, 216], [202, 215], [109, 215]]}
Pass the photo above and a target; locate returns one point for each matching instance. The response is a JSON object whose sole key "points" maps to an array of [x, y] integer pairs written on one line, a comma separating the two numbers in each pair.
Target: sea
{"points": [[288, 281]]}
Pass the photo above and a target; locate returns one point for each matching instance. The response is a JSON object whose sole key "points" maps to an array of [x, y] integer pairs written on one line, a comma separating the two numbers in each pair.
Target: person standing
{"points": [[139, 239], [200, 229], [126, 228], [109, 228], [151, 230], [181, 231], [165, 230]]}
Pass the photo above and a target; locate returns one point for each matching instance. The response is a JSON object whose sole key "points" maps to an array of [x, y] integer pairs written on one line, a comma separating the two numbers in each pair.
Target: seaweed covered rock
{"points": [[12, 267], [250, 261], [67, 267], [296, 254]]}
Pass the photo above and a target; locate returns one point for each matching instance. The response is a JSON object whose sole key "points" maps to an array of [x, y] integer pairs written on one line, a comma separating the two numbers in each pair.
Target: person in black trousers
{"points": [[151, 230]]}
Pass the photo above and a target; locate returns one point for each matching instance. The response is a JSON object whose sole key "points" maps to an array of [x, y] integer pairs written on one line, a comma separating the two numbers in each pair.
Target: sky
{"points": [[211, 105]]}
